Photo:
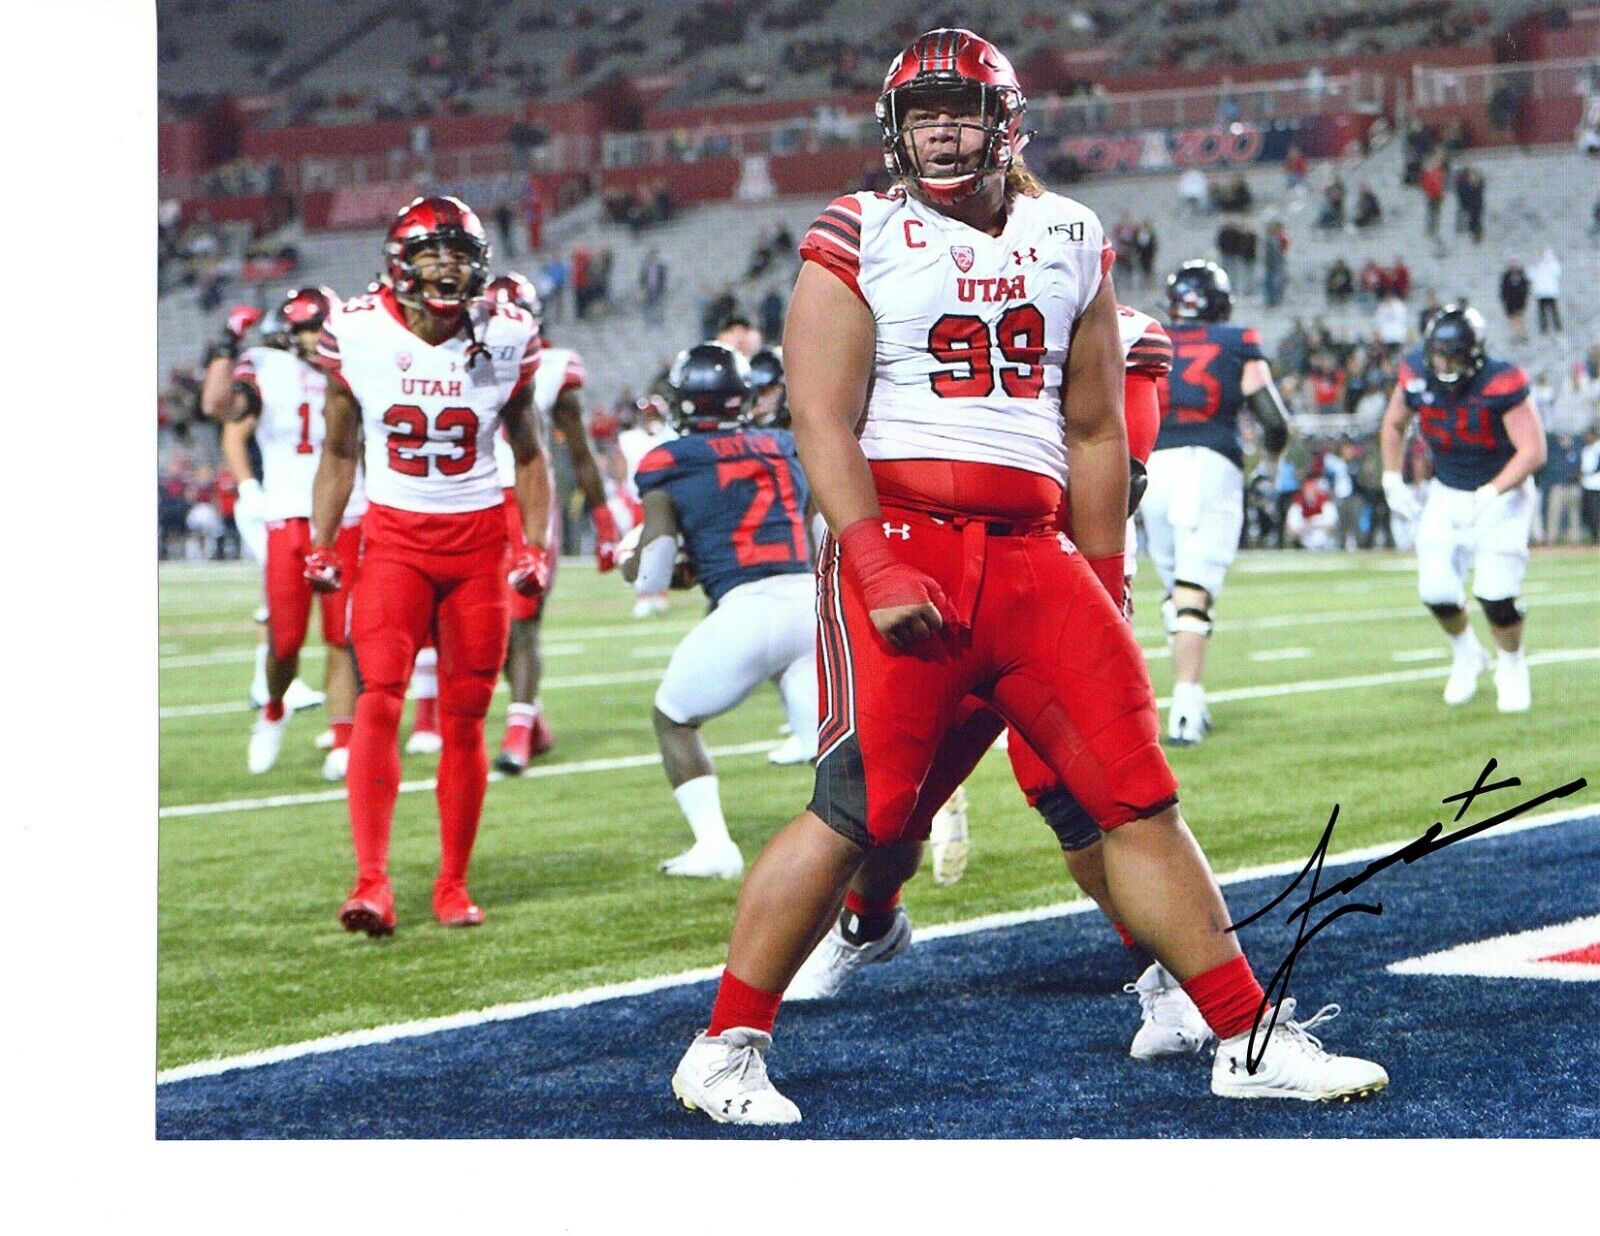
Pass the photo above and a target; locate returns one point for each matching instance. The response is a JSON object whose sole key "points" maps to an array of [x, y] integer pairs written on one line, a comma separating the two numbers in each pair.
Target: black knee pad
{"points": [[1446, 613], [1073, 826], [1503, 613]]}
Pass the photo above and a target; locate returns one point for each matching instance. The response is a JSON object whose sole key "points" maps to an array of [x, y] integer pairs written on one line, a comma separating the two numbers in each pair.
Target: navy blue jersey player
{"points": [[736, 502], [1193, 509], [1486, 441]]}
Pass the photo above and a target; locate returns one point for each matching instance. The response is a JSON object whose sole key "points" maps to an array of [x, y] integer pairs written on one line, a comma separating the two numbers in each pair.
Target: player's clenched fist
{"points": [[530, 572], [241, 318], [906, 605], [322, 570], [606, 536]]}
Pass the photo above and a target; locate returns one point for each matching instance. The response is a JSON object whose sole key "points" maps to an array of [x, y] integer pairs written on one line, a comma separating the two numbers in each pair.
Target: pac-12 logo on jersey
{"points": [[963, 256]]}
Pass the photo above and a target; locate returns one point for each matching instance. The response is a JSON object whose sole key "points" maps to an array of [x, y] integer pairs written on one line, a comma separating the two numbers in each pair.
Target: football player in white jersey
{"points": [[558, 397], [277, 398], [421, 377], [650, 430], [947, 346]]}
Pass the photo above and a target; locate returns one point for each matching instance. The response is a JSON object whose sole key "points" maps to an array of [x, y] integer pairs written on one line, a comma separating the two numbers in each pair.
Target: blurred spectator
{"points": [[653, 285], [1560, 480], [582, 288], [1338, 468], [1589, 479], [1275, 263], [1326, 383], [1249, 251], [1432, 184], [1295, 168], [1145, 246], [1233, 197], [1544, 279], [1469, 203], [1514, 292], [719, 308], [1430, 310], [1391, 321], [1287, 484], [1370, 283], [770, 311], [1331, 217], [1192, 191], [1368, 212], [552, 279], [1397, 278], [505, 222], [1230, 255], [1340, 283], [1313, 520]]}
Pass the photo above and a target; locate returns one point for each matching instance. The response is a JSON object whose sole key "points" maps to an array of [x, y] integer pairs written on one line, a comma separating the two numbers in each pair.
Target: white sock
{"points": [[1464, 643], [1510, 658], [1188, 697], [258, 684], [701, 805], [524, 713], [425, 677]]}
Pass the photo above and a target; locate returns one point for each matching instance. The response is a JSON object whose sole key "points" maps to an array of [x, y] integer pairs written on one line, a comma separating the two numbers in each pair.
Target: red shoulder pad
{"points": [[1507, 382], [1251, 335], [658, 459]]}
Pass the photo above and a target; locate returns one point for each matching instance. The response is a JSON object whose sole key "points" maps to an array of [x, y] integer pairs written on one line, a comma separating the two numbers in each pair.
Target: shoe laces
{"points": [[744, 1065], [1299, 1032]]}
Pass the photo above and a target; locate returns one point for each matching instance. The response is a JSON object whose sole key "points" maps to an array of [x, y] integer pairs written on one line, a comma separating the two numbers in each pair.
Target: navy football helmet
{"points": [[711, 389], [771, 407], [1453, 349], [1199, 291]]}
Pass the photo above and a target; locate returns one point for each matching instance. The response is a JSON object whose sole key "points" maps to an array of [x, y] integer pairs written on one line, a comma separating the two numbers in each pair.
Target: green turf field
{"points": [[251, 954]]}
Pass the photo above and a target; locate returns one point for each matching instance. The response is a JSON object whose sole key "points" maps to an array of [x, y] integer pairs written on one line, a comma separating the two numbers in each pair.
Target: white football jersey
{"points": [[428, 417], [559, 370], [291, 428], [1145, 344], [972, 329], [636, 443]]}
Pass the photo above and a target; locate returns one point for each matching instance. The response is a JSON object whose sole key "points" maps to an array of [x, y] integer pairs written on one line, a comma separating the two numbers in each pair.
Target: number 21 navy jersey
{"points": [[740, 498], [1466, 428], [1205, 390]]}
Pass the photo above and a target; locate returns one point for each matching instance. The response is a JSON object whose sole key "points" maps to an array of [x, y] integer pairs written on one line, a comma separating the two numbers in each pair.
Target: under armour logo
{"points": [[727, 1107], [903, 531], [1019, 256]]}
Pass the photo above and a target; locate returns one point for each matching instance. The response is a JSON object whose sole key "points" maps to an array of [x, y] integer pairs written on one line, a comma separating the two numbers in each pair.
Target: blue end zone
{"points": [[1020, 1032]]}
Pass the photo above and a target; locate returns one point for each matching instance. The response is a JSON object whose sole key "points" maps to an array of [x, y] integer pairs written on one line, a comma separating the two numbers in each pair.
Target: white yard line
{"points": [[1281, 654], [645, 986], [1554, 657], [1420, 654]]}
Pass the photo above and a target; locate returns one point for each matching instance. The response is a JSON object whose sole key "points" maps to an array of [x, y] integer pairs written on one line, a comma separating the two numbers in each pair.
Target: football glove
{"points": [[322, 570], [241, 318], [1398, 495], [606, 536], [530, 572]]}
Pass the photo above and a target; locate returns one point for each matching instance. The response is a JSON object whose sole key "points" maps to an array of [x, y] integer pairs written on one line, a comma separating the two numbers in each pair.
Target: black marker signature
{"points": [[1433, 839]]}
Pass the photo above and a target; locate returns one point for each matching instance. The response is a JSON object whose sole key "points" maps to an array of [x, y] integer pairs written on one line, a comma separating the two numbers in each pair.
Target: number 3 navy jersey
{"points": [[1205, 390], [740, 499], [1465, 429]]}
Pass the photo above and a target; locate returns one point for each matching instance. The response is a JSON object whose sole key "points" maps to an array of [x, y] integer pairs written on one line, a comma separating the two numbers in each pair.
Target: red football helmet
{"points": [[939, 60], [307, 308], [514, 289], [434, 222]]}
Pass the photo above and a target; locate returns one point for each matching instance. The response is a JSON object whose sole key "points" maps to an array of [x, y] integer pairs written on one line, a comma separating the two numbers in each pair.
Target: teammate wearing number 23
{"points": [[426, 372], [738, 499]]}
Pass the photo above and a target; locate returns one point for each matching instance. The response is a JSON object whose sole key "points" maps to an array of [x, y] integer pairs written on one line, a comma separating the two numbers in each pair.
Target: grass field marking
{"points": [[1281, 654], [638, 987], [1420, 654], [1551, 657], [1335, 617], [568, 768]]}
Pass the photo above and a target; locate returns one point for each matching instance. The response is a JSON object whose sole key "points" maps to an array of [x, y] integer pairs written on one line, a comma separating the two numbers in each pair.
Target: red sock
{"points": [[862, 908], [739, 1004], [463, 780], [374, 779], [341, 727], [1227, 996], [273, 711], [427, 716], [1123, 934]]}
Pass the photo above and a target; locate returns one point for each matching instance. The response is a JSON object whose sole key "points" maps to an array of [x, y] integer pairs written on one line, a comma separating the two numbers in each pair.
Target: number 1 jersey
{"points": [[429, 412], [972, 329]]}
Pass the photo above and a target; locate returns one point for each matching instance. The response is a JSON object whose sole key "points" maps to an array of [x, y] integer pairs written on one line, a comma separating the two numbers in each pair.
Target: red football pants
{"points": [[289, 595], [399, 598], [1045, 646]]}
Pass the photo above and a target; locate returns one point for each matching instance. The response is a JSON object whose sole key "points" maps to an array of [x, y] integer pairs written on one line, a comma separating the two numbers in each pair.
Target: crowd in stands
{"points": [[640, 208]]}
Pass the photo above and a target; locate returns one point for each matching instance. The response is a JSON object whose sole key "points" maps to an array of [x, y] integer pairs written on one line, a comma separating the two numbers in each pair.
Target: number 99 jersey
{"points": [[740, 498], [972, 329], [429, 412], [1206, 389]]}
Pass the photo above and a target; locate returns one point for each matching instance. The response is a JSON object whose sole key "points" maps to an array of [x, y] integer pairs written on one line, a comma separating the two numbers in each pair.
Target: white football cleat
{"points": [[707, 861], [1511, 685], [300, 697], [1293, 1064], [836, 959], [726, 1078], [424, 742], [323, 741], [337, 765], [792, 751], [266, 740], [1462, 684], [1187, 729], [951, 846], [1171, 1025]]}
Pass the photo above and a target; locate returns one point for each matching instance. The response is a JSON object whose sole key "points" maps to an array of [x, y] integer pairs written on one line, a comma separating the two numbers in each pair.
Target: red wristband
{"points": [[864, 549], [1108, 570]]}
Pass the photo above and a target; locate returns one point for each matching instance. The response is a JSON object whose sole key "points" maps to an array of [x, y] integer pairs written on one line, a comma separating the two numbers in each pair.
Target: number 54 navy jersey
{"points": [[1205, 390], [740, 498], [1465, 429]]}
